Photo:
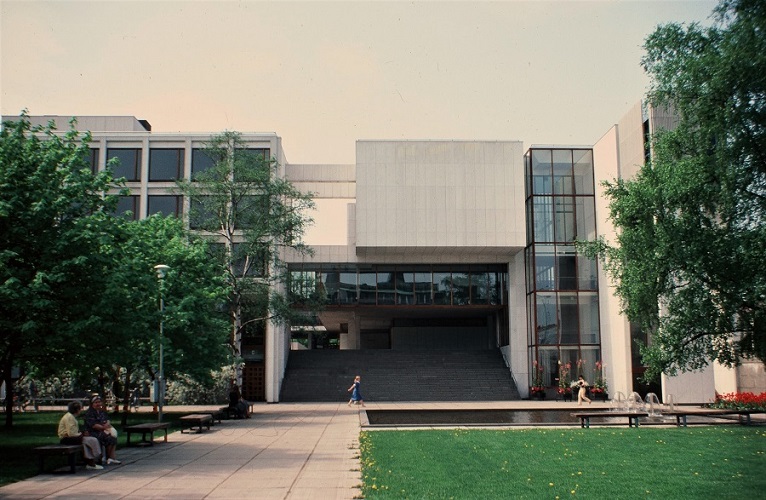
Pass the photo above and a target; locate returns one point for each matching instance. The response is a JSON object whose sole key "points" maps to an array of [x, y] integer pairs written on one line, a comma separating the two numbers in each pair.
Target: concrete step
{"points": [[324, 375]]}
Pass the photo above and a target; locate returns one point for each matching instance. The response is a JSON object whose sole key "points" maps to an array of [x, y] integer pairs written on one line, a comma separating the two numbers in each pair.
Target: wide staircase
{"points": [[325, 375]]}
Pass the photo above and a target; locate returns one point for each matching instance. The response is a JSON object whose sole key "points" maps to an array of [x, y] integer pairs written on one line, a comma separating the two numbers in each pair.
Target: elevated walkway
{"points": [[398, 376]]}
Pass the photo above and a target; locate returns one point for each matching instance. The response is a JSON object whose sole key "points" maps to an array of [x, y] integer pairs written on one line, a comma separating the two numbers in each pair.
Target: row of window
{"points": [[156, 204], [559, 267], [563, 318], [559, 171], [562, 286], [569, 361], [250, 210], [165, 164], [561, 219], [401, 285]]}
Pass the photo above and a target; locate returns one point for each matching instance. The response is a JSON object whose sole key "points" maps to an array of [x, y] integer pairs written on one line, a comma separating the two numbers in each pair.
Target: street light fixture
{"points": [[160, 393]]}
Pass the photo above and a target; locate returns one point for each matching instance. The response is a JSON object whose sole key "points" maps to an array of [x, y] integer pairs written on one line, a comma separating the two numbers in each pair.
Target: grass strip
{"points": [[617, 463]]}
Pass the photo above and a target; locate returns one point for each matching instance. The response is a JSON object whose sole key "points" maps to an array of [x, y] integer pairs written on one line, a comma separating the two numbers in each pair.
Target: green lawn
{"points": [[39, 429], [722, 462]]}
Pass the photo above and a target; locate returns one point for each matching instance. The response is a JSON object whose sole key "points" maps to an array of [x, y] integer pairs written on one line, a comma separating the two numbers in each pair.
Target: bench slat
{"points": [[147, 428], [69, 450], [201, 419]]}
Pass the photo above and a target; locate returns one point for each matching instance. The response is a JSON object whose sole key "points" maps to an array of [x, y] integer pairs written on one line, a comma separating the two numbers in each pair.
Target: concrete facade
{"points": [[456, 207]]}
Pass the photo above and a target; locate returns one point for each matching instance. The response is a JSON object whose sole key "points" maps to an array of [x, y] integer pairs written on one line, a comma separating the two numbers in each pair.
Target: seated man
{"points": [[69, 433], [237, 403], [97, 424]]}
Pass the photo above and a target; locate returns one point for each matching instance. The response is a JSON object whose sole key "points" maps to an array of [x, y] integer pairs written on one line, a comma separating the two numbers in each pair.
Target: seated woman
{"points": [[236, 403], [69, 433], [97, 424]]}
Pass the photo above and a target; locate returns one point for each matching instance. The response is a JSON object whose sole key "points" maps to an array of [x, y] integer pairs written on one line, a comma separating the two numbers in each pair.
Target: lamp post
{"points": [[161, 270]]}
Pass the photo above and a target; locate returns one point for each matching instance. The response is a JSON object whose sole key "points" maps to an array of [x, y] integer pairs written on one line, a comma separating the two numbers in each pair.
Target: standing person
{"points": [[32, 395], [356, 395], [69, 433], [582, 384], [135, 401], [97, 424]]}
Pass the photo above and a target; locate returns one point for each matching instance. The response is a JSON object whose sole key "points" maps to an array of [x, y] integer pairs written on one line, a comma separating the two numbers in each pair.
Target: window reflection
{"points": [[562, 305], [423, 292], [128, 206], [405, 288], [165, 205], [127, 163], [166, 164], [386, 287], [442, 285], [397, 285], [201, 161], [367, 282]]}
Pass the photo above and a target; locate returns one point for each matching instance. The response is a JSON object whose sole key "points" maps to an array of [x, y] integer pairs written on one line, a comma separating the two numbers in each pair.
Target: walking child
{"points": [[356, 392]]}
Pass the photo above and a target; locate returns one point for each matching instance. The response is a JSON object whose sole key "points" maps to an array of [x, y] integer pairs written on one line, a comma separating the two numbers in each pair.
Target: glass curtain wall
{"points": [[411, 285], [562, 286]]}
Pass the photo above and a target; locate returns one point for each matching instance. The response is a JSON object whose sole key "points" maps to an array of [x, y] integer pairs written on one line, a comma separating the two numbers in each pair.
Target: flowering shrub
{"points": [[599, 385], [740, 401], [564, 382], [537, 378]]}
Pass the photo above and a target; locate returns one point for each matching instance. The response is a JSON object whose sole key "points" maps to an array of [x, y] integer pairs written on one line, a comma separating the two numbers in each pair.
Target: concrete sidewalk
{"points": [[285, 451]]}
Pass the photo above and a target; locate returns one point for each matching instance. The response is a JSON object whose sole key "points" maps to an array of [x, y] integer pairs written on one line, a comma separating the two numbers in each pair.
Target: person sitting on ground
{"points": [[69, 433], [97, 424], [237, 403]]}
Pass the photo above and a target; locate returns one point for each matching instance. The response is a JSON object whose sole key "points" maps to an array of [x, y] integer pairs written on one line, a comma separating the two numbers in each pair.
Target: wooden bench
{"points": [[632, 416], [216, 414], [147, 428], [198, 420], [71, 451], [680, 415]]}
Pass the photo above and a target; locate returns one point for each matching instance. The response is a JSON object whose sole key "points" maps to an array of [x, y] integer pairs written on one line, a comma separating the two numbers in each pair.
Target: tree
{"points": [[253, 215], [52, 213], [195, 329], [688, 262], [78, 291]]}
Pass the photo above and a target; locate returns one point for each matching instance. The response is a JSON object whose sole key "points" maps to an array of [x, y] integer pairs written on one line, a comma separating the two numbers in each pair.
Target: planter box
{"points": [[538, 395]]}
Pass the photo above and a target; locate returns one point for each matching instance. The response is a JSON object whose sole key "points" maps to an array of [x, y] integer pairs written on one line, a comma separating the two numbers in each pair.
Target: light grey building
{"points": [[452, 245]]}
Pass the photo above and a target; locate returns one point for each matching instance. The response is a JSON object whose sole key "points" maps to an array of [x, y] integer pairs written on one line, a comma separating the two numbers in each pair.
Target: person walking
{"points": [[356, 392], [583, 385]]}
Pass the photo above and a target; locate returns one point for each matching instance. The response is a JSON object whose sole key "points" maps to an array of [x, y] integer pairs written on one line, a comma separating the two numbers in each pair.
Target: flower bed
{"points": [[740, 401]]}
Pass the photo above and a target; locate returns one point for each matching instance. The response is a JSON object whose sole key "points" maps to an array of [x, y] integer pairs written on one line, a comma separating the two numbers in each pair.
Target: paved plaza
{"points": [[286, 451]]}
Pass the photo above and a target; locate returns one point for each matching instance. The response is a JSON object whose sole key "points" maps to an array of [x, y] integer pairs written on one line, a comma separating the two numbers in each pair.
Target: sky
{"points": [[322, 75]]}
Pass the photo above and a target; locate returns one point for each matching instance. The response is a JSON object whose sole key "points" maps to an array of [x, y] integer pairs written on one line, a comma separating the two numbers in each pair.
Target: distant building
{"points": [[452, 245]]}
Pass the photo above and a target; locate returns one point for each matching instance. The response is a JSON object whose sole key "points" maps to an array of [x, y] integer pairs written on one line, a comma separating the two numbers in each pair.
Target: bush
{"points": [[740, 401]]}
